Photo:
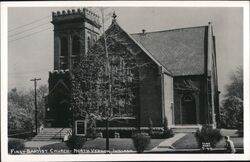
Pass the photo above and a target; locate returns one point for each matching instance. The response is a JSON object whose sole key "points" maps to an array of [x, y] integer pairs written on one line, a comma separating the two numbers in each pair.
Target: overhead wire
{"points": [[30, 34], [32, 22], [28, 29]]}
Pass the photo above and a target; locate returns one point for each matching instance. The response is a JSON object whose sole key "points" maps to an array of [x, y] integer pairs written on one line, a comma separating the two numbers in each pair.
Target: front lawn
{"points": [[189, 142], [122, 144]]}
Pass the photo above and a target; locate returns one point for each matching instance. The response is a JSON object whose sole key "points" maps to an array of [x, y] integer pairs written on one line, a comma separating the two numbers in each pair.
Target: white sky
{"points": [[33, 56]]}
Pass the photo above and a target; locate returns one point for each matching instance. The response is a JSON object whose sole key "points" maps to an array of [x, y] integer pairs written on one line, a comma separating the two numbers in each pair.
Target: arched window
{"points": [[64, 53], [64, 47], [89, 43], [75, 51], [76, 46], [94, 39]]}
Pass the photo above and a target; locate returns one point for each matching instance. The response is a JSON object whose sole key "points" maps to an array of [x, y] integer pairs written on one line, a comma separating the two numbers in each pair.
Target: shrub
{"points": [[91, 133], [240, 132], [75, 142], [141, 141], [15, 144], [150, 126], [165, 123], [124, 132], [208, 135], [168, 133], [162, 134]]}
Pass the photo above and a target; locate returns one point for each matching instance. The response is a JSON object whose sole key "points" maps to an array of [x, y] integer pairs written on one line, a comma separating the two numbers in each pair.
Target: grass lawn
{"points": [[189, 142], [100, 144]]}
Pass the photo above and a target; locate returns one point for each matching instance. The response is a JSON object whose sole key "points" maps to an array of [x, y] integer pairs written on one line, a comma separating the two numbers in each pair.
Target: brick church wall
{"points": [[150, 95]]}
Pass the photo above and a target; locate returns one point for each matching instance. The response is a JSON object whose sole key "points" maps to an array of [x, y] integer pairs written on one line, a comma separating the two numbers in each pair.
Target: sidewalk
{"points": [[167, 144]]}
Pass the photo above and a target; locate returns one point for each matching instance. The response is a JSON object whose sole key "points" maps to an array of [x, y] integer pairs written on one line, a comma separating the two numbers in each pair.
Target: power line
{"points": [[28, 23], [29, 35], [28, 29], [29, 72]]}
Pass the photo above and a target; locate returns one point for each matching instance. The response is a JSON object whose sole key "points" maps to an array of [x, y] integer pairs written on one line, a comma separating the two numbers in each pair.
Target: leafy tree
{"points": [[21, 109], [106, 81], [106, 86], [235, 87], [232, 107]]}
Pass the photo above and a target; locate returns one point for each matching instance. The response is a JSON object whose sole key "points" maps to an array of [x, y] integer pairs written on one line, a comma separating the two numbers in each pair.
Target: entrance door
{"points": [[63, 115], [188, 109]]}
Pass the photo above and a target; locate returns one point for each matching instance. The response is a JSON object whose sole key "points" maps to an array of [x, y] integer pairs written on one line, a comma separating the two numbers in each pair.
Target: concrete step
{"points": [[48, 134]]}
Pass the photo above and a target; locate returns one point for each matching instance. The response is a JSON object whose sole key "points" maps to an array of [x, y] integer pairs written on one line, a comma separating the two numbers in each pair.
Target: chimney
{"points": [[143, 31]]}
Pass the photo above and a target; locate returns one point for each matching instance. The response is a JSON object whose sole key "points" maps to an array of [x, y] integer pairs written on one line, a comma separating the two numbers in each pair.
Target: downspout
{"points": [[210, 70], [162, 93]]}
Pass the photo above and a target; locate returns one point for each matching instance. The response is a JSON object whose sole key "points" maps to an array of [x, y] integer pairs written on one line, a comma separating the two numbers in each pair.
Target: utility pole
{"points": [[35, 84]]}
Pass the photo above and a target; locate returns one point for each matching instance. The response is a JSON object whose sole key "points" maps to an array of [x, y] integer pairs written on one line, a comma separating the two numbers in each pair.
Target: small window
{"points": [[80, 126]]}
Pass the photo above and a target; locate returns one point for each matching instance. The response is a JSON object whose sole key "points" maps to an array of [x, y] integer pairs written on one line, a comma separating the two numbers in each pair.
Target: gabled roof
{"points": [[116, 26], [181, 51]]}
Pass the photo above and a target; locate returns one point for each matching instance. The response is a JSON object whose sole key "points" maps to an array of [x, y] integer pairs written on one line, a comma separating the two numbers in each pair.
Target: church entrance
{"points": [[188, 109], [62, 116]]}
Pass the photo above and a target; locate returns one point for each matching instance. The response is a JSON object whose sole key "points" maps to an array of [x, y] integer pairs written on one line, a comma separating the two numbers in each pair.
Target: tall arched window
{"points": [[76, 45], [89, 42], [64, 53], [64, 47], [75, 51]]}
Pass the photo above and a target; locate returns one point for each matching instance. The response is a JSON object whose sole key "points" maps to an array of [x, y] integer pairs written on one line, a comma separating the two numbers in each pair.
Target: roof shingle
{"points": [[181, 51]]}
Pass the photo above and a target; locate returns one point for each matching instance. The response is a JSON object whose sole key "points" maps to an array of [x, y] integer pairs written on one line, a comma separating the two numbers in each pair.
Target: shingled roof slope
{"points": [[182, 51]]}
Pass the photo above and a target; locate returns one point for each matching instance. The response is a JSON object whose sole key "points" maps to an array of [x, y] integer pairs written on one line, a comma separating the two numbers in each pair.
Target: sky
{"points": [[31, 55]]}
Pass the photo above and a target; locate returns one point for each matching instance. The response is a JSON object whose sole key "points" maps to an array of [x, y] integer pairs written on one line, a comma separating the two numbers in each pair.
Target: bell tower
{"points": [[75, 31]]}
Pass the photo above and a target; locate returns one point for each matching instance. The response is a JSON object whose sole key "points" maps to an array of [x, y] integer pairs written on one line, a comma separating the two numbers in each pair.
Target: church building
{"points": [[180, 84]]}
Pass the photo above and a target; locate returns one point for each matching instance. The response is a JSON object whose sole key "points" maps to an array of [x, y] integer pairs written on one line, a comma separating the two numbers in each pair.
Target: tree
{"points": [[91, 83], [21, 109], [232, 107], [106, 81], [235, 87]]}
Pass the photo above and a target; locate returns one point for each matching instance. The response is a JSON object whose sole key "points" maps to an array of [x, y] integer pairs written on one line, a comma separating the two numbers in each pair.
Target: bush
{"points": [[124, 132], [168, 133], [75, 142], [162, 134], [91, 132], [150, 126], [208, 135], [165, 123], [240, 132], [141, 141], [15, 144]]}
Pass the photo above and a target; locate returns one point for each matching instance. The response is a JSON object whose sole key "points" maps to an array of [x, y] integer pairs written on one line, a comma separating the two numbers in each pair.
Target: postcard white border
{"points": [[121, 157]]}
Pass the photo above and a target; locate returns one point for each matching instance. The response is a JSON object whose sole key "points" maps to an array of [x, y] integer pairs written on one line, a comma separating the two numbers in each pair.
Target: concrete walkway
{"points": [[38, 144], [167, 144]]}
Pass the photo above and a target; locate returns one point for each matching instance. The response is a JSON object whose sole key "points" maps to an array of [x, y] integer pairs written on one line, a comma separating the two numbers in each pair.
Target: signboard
{"points": [[80, 127]]}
